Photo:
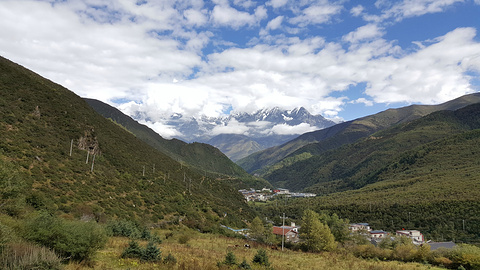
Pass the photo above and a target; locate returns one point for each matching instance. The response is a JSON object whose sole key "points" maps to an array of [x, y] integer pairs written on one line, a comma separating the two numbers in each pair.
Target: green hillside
{"points": [[203, 158], [344, 133], [61, 155], [424, 174], [355, 165]]}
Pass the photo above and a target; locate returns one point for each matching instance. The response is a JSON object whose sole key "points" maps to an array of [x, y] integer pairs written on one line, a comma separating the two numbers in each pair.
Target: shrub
{"points": [[183, 239], [73, 240], [170, 259], [261, 258], [230, 259], [466, 255], [244, 265], [29, 256], [151, 253], [133, 250]]}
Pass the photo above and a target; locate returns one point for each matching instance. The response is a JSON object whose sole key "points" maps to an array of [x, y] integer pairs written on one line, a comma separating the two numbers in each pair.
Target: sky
{"points": [[341, 59]]}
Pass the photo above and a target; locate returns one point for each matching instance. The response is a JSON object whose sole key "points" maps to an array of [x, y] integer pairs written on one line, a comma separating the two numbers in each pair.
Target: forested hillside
{"points": [[423, 174], [343, 133], [58, 154], [203, 158]]}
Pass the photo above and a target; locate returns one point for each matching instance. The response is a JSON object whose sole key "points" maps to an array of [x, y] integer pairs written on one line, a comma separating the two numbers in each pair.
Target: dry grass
{"points": [[203, 251]]}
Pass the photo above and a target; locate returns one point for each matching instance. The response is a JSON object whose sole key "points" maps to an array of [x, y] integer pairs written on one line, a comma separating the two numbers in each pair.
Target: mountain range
{"points": [[241, 134]]}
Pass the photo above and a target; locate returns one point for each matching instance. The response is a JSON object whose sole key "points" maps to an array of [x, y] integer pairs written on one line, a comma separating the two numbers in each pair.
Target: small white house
{"points": [[355, 227], [416, 236]]}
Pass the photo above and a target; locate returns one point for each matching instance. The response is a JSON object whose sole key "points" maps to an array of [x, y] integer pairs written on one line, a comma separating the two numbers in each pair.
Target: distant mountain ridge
{"points": [[204, 157], [345, 133], [259, 130]]}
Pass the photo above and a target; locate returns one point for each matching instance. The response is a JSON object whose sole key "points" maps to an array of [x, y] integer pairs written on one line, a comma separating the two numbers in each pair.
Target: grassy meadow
{"points": [[194, 250]]}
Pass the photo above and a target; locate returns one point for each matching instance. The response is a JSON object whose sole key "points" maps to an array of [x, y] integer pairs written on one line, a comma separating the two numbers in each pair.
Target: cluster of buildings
{"points": [[266, 194], [377, 235]]}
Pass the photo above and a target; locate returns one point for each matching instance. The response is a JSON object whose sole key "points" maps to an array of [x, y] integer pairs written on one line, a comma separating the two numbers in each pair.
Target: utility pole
{"points": [[143, 173], [71, 147], [283, 231], [88, 154]]}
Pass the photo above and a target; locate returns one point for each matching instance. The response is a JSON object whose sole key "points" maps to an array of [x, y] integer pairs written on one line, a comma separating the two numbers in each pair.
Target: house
{"points": [[378, 234], [416, 236], [290, 233], [354, 227], [280, 191]]}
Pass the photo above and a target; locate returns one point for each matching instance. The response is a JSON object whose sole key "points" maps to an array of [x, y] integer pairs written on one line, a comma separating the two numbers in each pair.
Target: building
{"points": [[378, 234], [355, 227], [290, 233], [416, 236]]}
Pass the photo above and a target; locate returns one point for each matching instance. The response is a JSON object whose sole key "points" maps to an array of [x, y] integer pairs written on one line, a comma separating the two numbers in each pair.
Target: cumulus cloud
{"points": [[368, 31], [225, 15], [275, 23], [357, 10], [407, 8], [320, 13], [233, 127], [284, 129]]}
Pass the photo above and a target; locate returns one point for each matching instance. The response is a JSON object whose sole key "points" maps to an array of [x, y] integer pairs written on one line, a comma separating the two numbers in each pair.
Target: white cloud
{"points": [[195, 17], [362, 101], [317, 14], [275, 23], [431, 75], [368, 31], [225, 15], [279, 3], [357, 10], [284, 129], [233, 127], [410, 8], [166, 131]]}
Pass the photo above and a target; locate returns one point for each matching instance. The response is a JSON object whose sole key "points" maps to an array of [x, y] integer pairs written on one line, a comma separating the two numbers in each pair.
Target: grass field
{"points": [[204, 251]]}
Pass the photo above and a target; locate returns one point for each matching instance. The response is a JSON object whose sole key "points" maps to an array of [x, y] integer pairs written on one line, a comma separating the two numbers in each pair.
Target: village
{"points": [[290, 234], [266, 194]]}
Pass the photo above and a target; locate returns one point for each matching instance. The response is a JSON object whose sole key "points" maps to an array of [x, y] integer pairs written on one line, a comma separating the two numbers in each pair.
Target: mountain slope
{"points": [[347, 132], [355, 165], [50, 138], [423, 174], [203, 157]]}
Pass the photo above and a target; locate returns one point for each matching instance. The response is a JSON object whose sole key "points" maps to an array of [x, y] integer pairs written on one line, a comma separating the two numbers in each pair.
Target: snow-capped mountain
{"points": [[259, 130]]}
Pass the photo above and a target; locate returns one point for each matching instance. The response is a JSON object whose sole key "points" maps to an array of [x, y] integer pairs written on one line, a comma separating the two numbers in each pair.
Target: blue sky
{"points": [[342, 59]]}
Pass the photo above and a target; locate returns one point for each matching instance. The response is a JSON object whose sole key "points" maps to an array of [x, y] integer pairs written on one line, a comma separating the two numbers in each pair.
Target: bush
{"points": [[183, 239], [230, 259], [261, 258], [151, 253], [170, 259], [466, 255], [133, 250], [73, 240], [244, 265], [29, 256]]}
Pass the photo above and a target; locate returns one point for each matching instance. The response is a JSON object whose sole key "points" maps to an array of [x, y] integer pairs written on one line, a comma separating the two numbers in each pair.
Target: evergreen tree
{"points": [[316, 235], [261, 258]]}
